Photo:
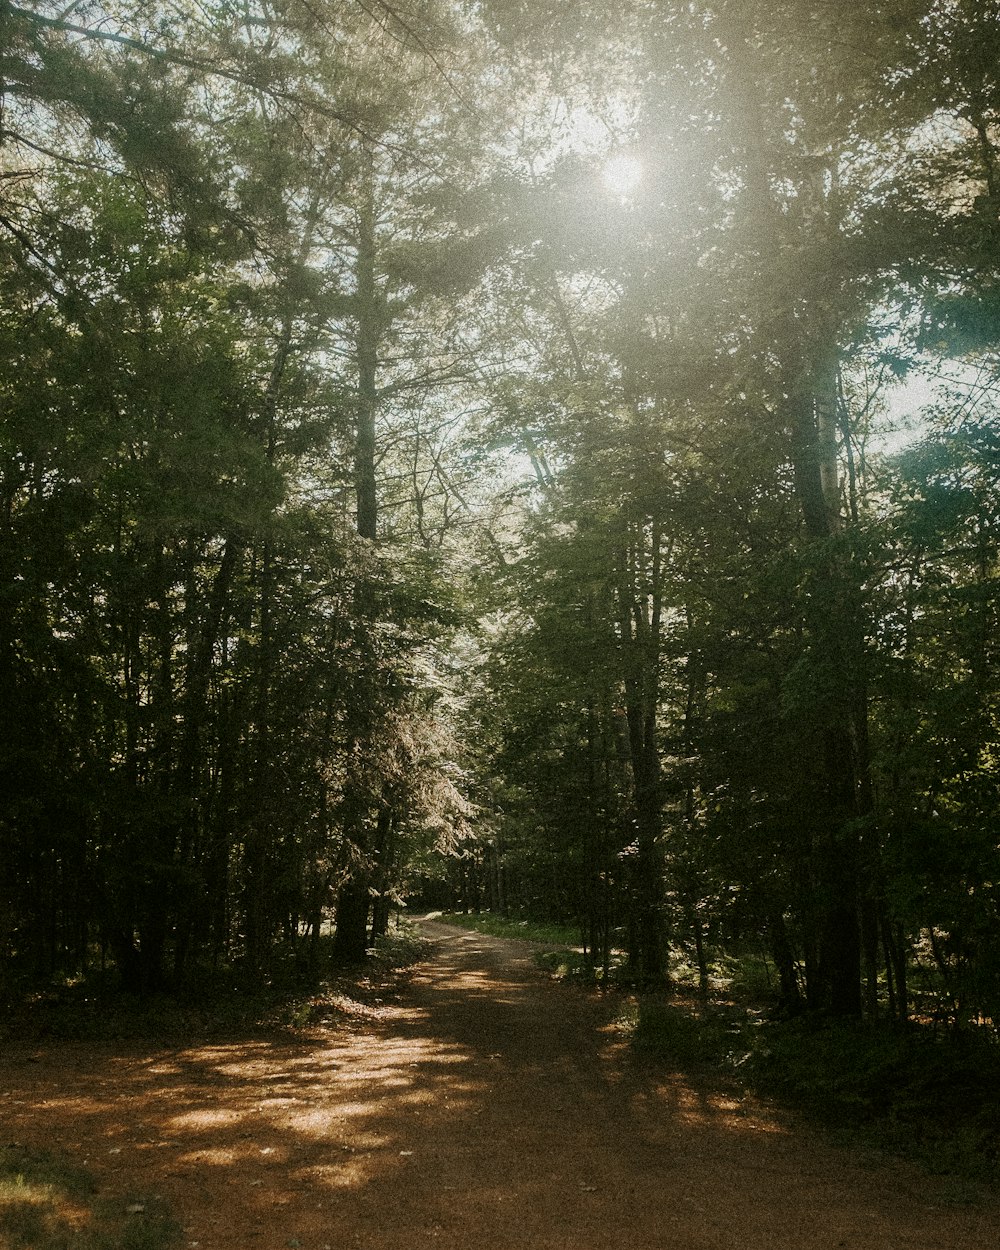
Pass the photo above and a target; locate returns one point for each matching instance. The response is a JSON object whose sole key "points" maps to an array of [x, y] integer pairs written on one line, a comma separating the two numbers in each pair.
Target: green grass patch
{"points": [[746, 978], [511, 927], [565, 965], [573, 965], [48, 1204]]}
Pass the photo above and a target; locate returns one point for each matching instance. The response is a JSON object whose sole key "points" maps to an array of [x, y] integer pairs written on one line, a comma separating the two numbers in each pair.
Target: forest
{"points": [[536, 456]]}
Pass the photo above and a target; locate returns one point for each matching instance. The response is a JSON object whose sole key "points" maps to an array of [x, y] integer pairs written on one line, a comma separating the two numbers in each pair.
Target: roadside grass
{"points": [[567, 962], [217, 1003], [573, 965], [934, 1098], [907, 1092], [47, 1204], [916, 1092], [510, 927]]}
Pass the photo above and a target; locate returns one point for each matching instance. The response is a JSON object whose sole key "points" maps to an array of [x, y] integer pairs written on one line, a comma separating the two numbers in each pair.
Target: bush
{"points": [[908, 1091], [692, 1038], [511, 927]]}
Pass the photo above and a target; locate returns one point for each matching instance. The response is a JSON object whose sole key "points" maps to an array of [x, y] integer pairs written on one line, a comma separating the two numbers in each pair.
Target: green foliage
{"points": [[575, 966], [201, 660], [511, 927], [692, 1039], [298, 993], [300, 376], [935, 1098], [907, 1091], [40, 1201]]}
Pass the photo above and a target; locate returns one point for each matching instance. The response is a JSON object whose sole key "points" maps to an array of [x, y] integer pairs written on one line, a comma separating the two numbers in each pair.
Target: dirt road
{"points": [[489, 1108]]}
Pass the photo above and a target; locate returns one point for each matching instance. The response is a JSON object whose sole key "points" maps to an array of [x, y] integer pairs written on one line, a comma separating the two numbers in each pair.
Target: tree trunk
{"points": [[384, 858], [350, 943], [639, 623], [353, 901], [790, 1000], [832, 627]]}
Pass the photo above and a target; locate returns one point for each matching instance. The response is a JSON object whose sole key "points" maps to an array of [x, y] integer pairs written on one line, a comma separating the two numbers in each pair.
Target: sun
{"points": [[622, 173]]}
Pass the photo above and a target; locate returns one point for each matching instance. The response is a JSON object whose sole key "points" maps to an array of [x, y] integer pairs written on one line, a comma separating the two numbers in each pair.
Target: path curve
{"points": [[489, 1107]]}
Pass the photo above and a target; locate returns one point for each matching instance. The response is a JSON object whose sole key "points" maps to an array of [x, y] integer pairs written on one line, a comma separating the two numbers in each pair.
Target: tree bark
{"points": [[353, 902], [639, 624]]}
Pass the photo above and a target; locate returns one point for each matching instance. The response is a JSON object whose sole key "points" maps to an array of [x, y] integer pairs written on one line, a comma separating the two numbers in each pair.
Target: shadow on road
{"points": [[490, 1105]]}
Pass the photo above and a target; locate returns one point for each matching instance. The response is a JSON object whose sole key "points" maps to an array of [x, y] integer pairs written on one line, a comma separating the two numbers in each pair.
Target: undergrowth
{"points": [[48, 1204], [905, 1091], [511, 927], [217, 1003], [915, 1092]]}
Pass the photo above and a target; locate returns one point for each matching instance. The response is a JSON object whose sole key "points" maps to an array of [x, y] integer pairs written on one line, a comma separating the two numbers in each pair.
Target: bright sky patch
{"points": [[622, 173]]}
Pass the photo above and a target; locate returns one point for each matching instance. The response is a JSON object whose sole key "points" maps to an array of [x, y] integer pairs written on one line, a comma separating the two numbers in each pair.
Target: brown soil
{"points": [[486, 1107]]}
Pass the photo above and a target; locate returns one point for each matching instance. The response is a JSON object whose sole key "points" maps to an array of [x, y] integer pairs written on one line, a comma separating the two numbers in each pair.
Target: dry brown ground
{"points": [[487, 1108]]}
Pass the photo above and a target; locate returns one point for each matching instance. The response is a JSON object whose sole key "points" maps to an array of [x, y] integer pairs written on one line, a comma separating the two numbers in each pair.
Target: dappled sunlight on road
{"points": [[489, 1104]]}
